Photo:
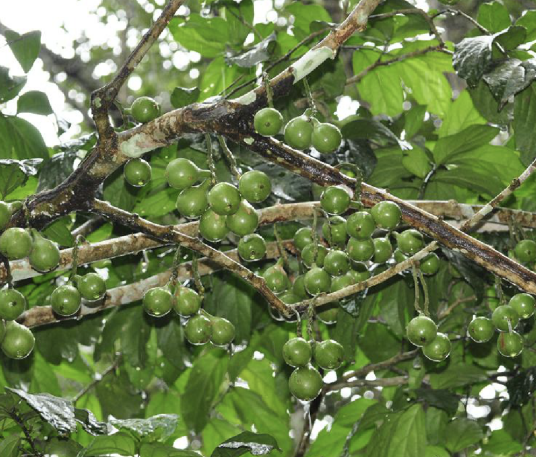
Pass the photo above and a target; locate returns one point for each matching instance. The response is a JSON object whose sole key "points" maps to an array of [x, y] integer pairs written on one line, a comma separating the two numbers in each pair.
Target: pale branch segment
{"points": [[124, 295]]}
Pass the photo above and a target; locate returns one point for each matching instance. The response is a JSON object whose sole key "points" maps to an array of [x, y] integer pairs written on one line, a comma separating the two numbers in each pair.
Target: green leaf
{"points": [[182, 97], [89, 422], [216, 77], [472, 57], [256, 443], [493, 16], [453, 377], [370, 129], [521, 387], [59, 232], [461, 114], [20, 140], [156, 428], [121, 443], [528, 20], [159, 203], [416, 162], [15, 173], [442, 399], [304, 15], [414, 120], [436, 451], [261, 52], [34, 102], [379, 343], [208, 36], [501, 442], [10, 87], [171, 342], [25, 47], [512, 38], [118, 192], [510, 77], [9, 446], [524, 122], [135, 334], [161, 450], [461, 433], [208, 374]]}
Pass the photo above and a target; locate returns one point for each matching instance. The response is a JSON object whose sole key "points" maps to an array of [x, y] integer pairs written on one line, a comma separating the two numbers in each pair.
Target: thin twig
{"points": [[231, 160], [97, 379]]}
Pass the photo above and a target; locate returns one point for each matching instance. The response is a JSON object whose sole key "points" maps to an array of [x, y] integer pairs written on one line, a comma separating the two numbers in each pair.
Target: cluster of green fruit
{"points": [[301, 133], [422, 332], [525, 252], [305, 382], [201, 327]]}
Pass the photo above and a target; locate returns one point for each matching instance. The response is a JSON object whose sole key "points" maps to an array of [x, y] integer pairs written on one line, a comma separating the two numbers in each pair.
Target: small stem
{"points": [[268, 89], [230, 158], [78, 241], [426, 297], [416, 303], [26, 432], [280, 247], [310, 321], [315, 236], [175, 269], [97, 379], [499, 290], [310, 98], [197, 276], [210, 157]]}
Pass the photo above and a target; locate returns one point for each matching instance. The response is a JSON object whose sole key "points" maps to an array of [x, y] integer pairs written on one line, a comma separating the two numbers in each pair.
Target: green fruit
{"points": [[329, 354], [276, 279], [359, 272], [224, 199], [252, 247], [45, 255], [65, 300], [12, 304], [342, 282], [187, 301], [182, 173], [481, 329], [383, 250], [334, 231], [336, 263], [223, 331], [255, 186], [326, 138], [309, 258], [15, 243], [5, 215], [245, 221], [198, 329], [137, 172], [523, 304], [421, 330], [360, 225], [18, 341], [2, 330], [299, 132], [145, 109], [289, 298], [305, 383], [193, 202], [158, 301], [502, 316], [430, 264], [525, 251], [328, 313], [297, 352], [410, 241], [268, 122], [510, 344], [438, 349], [335, 200], [399, 256], [302, 238], [360, 250], [317, 281], [298, 288], [213, 226], [91, 286], [386, 214]]}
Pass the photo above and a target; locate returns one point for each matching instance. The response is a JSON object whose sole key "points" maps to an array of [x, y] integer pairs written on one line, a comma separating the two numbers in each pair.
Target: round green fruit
{"points": [[309, 258], [65, 300], [5, 215], [290, 298], [182, 173], [15, 243], [383, 250], [328, 313], [525, 251], [481, 329], [298, 288], [302, 238], [12, 304], [268, 122], [213, 226], [252, 247], [438, 349], [305, 383], [329, 354], [335, 200], [297, 352], [334, 231], [224, 199], [510, 344], [359, 272], [410, 241], [145, 109], [336, 263], [299, 132], [430, 264], [276, 279], [255, 186], [326, 138], [158, 301], [503, 316], [360, 250], [18, 342], [317, 281], [223, 331], [198, 329], [91, 286], [2, 330], [137, 172], [245, 221], [386, 214], [421, 330], [45, 255], [360, 225], [187, 302], [523, 304], [192, 202], [342, 282], [399, 256]]}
